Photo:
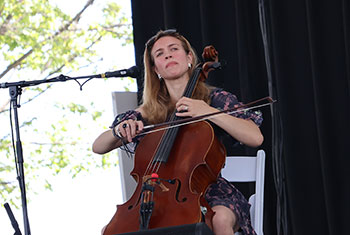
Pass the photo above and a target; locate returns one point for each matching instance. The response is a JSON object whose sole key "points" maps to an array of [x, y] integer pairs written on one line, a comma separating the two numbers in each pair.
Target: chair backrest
{"points": [[249, 169]]}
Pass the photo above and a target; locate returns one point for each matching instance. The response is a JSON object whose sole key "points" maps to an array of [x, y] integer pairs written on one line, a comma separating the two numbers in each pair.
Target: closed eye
{"points": [[159, 53]]}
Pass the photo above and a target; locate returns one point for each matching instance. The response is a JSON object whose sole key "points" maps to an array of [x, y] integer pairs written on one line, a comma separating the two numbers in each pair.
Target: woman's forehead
{"points": [[164, 42]]}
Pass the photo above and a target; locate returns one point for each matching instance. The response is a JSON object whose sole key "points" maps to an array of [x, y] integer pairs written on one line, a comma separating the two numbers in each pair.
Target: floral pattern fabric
{"points": [[223, 192]]}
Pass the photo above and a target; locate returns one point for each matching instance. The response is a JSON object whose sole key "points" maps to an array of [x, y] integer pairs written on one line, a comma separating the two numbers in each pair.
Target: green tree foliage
{"points": [[39, 39]]}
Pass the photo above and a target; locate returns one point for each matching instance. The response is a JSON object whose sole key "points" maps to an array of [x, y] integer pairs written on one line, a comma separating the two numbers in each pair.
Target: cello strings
{"points": [[172, 132], [154, 164], [169, 136], [162, 148]]}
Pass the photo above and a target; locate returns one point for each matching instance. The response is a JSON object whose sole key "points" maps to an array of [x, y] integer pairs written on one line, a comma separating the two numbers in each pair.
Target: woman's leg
{"points": [[224, 221]]}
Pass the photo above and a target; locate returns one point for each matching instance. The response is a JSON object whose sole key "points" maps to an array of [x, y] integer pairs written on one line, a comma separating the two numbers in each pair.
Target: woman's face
{"points": [[170, 58]]}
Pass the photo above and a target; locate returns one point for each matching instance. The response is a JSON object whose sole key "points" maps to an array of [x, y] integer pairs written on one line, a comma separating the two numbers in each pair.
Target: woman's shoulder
{"points": [[218, 91], [222, 99]]}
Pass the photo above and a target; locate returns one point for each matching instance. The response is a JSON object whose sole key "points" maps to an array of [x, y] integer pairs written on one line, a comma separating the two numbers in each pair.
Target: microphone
{"points": [[133, 72]]}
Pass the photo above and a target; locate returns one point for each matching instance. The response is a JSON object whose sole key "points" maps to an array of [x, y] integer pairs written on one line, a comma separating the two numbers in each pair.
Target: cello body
{"points": [[195, 161]]}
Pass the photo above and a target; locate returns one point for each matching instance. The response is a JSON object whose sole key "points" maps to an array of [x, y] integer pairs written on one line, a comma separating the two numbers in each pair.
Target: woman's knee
{"points": [[224, 219], [224, 216]]}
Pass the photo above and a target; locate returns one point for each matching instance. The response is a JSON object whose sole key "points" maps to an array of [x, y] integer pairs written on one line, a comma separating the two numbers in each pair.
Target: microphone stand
{"points": [[12, 219], [15, 89], [14, 92]]}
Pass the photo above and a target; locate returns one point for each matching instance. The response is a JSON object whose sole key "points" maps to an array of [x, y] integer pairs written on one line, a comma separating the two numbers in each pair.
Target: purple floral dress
{"points": [[222, 192]]}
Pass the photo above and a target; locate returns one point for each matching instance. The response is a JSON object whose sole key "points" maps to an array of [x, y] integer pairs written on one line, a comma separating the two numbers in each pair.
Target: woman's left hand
{"points": [[187, 107]]}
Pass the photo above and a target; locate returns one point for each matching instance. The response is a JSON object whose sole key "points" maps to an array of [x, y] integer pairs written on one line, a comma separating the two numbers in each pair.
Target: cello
{"points": [[173, 169]]}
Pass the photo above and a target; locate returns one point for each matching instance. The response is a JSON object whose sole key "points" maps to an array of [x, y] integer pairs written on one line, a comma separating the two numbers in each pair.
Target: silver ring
{"points": [[186, 108]]}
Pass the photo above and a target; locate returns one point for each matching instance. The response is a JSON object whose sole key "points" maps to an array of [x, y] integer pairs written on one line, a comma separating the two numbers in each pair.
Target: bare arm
{"points": [[105, 142], [127, 130]]}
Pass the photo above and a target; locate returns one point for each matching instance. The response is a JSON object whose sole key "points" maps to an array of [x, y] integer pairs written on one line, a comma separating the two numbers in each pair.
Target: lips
{"points": [[170, 64]]}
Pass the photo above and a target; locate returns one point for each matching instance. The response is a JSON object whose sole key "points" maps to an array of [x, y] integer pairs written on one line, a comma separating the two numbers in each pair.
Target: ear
{"points": [[189, 57], [155, 69]]}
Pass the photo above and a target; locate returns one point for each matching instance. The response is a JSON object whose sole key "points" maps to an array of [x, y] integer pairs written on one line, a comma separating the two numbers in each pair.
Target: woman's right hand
{"points": [[128, 129]]}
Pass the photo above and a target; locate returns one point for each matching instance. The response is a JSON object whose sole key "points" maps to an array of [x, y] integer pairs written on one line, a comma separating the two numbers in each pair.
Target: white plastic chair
{"points": [[249, 169]]}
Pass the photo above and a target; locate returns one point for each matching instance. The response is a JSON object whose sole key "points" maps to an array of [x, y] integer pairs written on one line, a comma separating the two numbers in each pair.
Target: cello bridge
{"points": [[155, 182]]}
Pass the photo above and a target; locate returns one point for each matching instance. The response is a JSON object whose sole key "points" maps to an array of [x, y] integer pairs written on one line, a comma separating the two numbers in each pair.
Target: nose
{"points": [[168, 54]]}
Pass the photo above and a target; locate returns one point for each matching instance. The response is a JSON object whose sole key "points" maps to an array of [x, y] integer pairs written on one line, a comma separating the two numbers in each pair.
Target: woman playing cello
{"points": [[169, 62]]}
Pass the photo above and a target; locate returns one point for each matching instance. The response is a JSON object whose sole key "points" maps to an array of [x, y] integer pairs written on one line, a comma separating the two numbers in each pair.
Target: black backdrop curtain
{"points": [[307, 130]]}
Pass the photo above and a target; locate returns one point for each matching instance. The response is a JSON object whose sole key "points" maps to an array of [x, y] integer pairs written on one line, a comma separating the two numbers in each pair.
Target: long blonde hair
{"points": [[156, 99]]}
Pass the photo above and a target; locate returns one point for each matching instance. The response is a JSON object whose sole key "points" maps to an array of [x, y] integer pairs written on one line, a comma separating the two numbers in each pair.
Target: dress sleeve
{"points": [[130, 114], [224, 100]]}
